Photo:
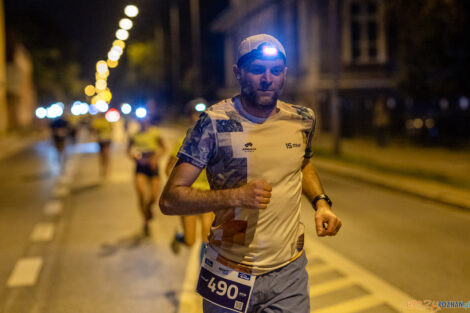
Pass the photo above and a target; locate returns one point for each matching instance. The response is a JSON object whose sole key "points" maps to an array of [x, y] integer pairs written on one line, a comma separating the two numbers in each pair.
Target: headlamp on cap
{"points": [[263, 52]]}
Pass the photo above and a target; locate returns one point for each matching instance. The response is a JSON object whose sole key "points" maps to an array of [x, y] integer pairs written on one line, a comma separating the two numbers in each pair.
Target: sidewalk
{"points": [[11, 144], [437, 174]]}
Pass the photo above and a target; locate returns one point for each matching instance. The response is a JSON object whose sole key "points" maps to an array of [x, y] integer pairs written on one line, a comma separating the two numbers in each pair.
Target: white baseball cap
{"points": [[261, 46]]}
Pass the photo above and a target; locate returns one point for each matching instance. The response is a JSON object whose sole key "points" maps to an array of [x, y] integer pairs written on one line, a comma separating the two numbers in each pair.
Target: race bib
{"points": [[224, 286]]}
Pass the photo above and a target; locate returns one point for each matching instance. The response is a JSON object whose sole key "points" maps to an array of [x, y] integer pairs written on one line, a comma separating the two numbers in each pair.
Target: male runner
{"points": [[257, 152]]}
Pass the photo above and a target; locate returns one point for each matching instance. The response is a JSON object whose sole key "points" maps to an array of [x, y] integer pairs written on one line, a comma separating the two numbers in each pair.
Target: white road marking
{"points": [[42, 232], [25, 273], [320, 289], [319, 269], [190, 301], [379, 288], [53, 207], [354, 305]]}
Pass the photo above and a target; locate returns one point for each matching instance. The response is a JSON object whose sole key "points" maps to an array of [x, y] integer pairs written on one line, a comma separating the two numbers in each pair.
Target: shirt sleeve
{"points": [[309, 135], [199, 145]]}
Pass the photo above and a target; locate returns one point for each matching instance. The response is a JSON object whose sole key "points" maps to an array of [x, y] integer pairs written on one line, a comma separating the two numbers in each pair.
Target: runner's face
{"points": [[262, 81]]}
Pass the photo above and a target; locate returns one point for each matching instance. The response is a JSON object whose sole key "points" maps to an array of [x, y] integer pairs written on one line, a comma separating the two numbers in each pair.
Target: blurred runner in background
{"points": [[188, 237], [146, 148], [60, 130], [104, 131]]}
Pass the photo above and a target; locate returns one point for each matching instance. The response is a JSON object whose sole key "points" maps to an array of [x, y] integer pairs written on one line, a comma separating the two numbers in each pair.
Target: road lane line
{"points": [[320, 289], [42, 232], [354, 305], [320, 269], [377, 286], [53, 207], [25, 273], [190, 301]]}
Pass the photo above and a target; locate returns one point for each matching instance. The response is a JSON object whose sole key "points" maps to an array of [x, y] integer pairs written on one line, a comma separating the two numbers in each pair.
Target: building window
{"points": [[363, 32]]}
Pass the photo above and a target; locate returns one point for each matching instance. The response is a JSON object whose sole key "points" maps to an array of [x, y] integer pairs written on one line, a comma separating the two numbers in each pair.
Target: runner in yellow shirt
{"points": [[188, 237], [145, 148], [104, 131]]}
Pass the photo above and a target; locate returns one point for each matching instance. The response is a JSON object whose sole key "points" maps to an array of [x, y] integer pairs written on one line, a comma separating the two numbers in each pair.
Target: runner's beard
{"points": [[253, 96]]}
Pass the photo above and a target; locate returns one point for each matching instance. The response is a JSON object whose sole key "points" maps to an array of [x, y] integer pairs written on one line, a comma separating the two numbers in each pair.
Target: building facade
{"points": [[362, 53]]}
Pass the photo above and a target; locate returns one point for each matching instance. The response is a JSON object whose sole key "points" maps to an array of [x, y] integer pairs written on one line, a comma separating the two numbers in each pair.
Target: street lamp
{"points": [[122, 34], [131, 10], [125, 23]]}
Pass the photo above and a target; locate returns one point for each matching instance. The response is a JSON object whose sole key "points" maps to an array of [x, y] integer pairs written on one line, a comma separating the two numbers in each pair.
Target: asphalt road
{"points": [[96, 261]]}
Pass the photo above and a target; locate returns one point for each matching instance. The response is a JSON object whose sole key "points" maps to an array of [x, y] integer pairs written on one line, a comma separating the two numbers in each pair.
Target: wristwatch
{"points": [[321, 197]]}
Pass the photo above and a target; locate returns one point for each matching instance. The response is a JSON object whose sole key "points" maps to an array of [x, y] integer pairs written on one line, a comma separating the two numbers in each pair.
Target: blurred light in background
{"points": [[112, 115], [90, 90], [106, 95], [444, 104], [76, 108], [463, 103], [41, 112], [429, 122], [122, 34], [84, 108], [200, 107], [102, 76], [101, 105], [141, 112], [101, 84], [94, 100], [125, 23], [113, 55], [126, 108], [118, 49], [55, 110], [119, 43], [417, 123], [101, 67], [131, 10], [93, 109], [112, 64], [391, 103]]}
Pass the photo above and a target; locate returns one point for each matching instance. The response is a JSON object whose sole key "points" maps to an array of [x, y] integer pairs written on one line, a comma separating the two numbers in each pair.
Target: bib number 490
{"points": [[222, 289]]}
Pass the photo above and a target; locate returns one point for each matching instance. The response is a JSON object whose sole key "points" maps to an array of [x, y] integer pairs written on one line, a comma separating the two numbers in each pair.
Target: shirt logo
{"points": [[249, 147], [290, 145]]}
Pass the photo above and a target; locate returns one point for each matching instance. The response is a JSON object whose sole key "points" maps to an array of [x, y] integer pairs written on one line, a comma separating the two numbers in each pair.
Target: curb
{"points": [[425, 189]]}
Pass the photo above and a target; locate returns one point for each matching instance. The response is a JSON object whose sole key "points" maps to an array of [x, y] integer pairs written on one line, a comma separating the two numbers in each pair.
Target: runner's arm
{"points": [[178, 198], [327, 223]]}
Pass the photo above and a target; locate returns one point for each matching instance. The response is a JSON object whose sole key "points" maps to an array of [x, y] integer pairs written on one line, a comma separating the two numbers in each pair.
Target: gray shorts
{"points": [[284, 290]]}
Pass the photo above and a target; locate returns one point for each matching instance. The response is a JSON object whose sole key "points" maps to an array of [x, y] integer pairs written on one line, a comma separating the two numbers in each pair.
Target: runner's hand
{"points": [[256, 194], [327, 223]]}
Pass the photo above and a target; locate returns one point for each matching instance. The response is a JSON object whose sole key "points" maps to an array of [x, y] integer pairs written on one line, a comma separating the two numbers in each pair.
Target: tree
{"points": [[431, 46], [146, 66]]}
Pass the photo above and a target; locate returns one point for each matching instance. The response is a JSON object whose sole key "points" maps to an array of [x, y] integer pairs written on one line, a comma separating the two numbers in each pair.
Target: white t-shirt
{"points": [[236, 148]]}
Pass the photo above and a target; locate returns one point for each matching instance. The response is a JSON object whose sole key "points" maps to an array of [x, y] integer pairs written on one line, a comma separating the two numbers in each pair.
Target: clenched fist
{"points": [[256, 194]]}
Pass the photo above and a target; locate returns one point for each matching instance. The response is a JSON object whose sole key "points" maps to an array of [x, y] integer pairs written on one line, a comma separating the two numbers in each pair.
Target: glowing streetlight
{"points": [[131, 10], [126, 108], [112, 115], [90, 90], [55, 110], [125, 23], [102, 106], [41, 112], [122, 34], [119, 43], [93, 109], [101, 84], [141, 112], [112, 64], [113, 55], [101, 67]]}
